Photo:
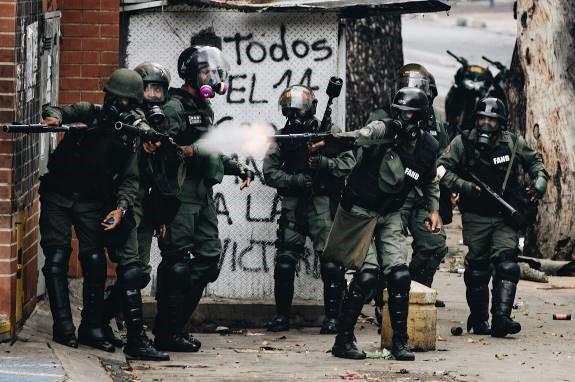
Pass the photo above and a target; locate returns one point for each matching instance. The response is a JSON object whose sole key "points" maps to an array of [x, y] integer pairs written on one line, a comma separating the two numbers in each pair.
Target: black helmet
{"points": [[298, 97], [491, 107], [298, 104], [414, 76], [156, 77], [208, 60], [410, 100]]}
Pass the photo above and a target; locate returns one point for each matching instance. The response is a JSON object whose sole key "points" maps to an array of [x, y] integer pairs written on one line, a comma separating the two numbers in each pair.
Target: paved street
{"points": [[543, 351]]}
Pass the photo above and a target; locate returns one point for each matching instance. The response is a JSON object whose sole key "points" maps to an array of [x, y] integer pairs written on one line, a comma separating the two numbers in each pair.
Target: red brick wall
{"points": [[90, 48], [19, 157], [88, 55]]}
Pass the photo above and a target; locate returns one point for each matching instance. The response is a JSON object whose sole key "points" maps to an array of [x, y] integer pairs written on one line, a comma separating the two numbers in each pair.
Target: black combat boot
{"points": [[344, 346], [138, 345], [170, 322], [334, 283], [56, 273], [192, 302], [505, 281], [111, 309], [477, 275], [423, 267], [478, 302], [362, 284], [398, 307], [90, 332], [284, 277], [398, 304], [503, 295]]}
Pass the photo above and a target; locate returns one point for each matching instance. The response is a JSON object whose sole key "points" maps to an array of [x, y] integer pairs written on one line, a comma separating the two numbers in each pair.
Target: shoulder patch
{"points": [[195, 119]]}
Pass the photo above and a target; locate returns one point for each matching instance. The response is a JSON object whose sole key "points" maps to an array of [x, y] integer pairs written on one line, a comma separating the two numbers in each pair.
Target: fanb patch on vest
{"points": [[412, 174], [501, 159], [195, 119]]}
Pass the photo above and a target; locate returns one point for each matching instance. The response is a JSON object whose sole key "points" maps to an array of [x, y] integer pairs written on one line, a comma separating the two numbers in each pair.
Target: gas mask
{"points": [[155, 115], [300, 122], [211, 84], [486, 134], [210, 91], [409, 128]]}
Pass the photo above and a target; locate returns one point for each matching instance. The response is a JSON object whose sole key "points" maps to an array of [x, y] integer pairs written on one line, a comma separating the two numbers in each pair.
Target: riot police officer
{"points": [[429, 248], [492, 154], [396, 155], [191, 247], [92, 171], [308, 184], [133, 255]]}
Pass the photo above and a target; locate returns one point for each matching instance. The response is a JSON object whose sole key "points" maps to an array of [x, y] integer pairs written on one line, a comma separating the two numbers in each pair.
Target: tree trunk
{"points": [[546, 42], [374, 56]]}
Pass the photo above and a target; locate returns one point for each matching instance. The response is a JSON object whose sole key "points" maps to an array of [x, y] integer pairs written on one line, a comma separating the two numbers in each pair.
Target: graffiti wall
{"points": [[267, 52]]}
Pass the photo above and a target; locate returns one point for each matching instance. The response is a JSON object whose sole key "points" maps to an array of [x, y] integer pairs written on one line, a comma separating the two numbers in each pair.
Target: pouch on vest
{"points": [[349, 239], [391, 173]]}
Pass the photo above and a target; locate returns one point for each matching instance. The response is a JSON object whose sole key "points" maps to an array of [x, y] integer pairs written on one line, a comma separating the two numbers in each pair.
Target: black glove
{"points": [[302, 181], [318, 162]]}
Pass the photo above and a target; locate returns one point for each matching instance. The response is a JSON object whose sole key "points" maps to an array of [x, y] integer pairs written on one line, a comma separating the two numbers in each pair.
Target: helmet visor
{"points": [[298, 98], [154, 92], [418, 82], [212, 67]]}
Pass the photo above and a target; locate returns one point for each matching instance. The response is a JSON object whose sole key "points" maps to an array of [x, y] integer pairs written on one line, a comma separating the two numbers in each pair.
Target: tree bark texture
{"points": [[546, 42], [374, 56]]}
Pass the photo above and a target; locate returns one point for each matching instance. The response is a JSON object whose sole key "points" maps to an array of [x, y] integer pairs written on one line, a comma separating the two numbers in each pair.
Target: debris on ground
{"points": [[383, 354], [530, 274]]}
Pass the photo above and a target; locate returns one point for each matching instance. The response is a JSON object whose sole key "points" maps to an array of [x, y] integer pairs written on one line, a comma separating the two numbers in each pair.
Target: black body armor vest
{"points": [[363, 184], [491, 168]]}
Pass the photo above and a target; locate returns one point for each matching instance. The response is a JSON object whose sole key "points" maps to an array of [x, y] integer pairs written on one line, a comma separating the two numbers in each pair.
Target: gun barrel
{"points": [[36, 128], [497, 64], [302, 137], [512, 211]]}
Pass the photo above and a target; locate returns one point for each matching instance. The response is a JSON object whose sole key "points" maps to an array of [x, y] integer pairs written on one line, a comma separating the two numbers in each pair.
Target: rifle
{"points": [[333, 90], [459, 59], [147, 134], [497, 64], [517, 217], [38, 128], [306, 137]]}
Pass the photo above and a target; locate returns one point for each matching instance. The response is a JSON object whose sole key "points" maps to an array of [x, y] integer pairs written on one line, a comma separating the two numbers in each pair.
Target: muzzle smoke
{"points": [[245, 140]]}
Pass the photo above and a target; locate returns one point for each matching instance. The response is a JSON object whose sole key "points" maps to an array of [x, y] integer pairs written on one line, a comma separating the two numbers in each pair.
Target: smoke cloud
{"points": [[245, 140]]}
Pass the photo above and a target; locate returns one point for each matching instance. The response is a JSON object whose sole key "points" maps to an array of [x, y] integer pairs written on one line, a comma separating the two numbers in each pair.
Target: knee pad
{"points": [[477, 273], [331, 272], [399, 278], [211, 267], [506, 267], [132, 277], [284, 268], [93, 264], [56, 263], [365, 281], [177, 275]]}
